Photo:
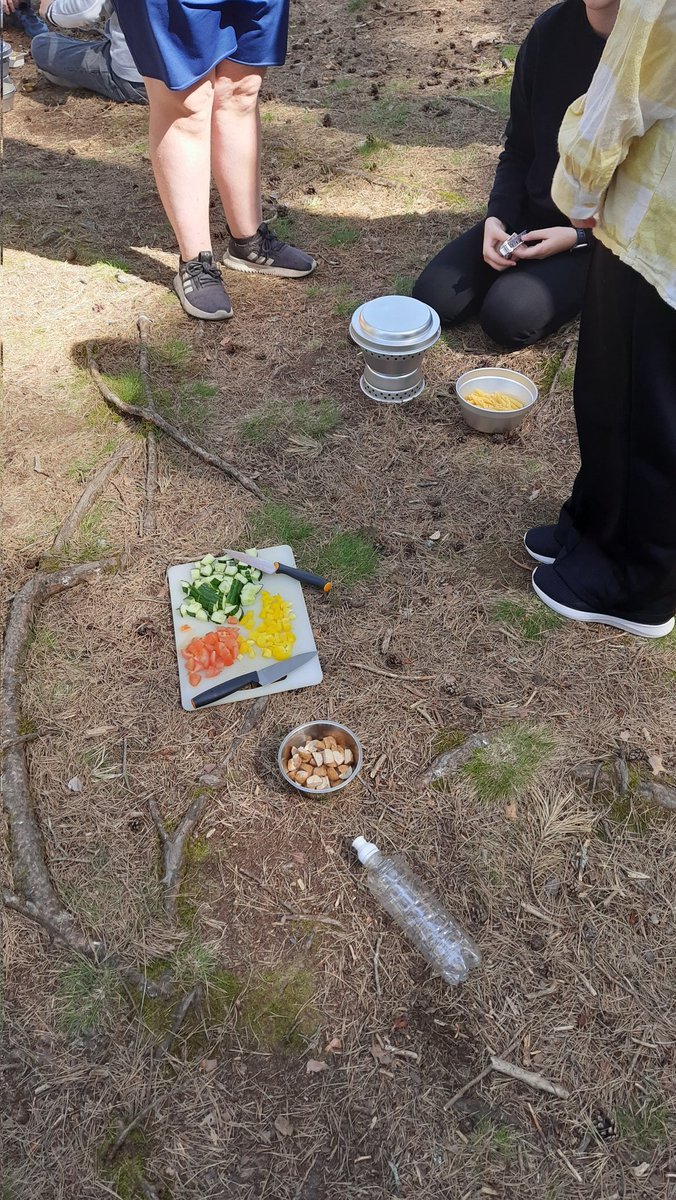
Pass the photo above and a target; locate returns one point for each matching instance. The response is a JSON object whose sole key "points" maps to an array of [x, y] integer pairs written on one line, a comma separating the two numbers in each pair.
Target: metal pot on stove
{"points": [[394, 332]]}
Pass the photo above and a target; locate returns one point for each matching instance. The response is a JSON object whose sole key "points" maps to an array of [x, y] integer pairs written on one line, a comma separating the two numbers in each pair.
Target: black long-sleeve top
{"points": [[554, 66]]}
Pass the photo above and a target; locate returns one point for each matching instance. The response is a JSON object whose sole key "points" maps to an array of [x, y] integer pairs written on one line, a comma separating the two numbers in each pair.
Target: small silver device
{"points": [[508, 247]]}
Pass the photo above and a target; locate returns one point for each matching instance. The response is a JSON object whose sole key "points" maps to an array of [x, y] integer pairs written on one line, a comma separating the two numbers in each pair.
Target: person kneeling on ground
{"points": [[104, 66], [521, 299]]}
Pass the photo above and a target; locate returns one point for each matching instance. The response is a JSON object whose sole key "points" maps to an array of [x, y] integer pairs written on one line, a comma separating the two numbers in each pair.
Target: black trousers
{"points": [[618, 530], [515, 307]]}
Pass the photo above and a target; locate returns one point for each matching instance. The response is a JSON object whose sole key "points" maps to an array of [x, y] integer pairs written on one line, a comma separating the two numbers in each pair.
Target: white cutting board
{"points": [[278, 585]]}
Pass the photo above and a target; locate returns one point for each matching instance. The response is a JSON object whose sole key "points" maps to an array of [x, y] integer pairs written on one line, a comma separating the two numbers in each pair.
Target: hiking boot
{"points": [[541, 543], [199, 287], [266, 254], [558, 596]]}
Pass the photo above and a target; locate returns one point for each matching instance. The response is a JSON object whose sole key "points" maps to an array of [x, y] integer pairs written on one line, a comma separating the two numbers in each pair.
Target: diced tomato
{"points": [[194, 679]]}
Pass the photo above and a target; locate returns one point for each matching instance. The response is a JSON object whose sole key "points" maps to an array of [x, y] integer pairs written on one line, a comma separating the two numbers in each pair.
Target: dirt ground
{"points": [[431, 634]]}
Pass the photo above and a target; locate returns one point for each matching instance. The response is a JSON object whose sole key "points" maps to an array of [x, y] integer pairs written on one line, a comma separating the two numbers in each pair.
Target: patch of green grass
{"points": [[343, 84], [348, 558], [340, 234], [82, 468], [509, 764], [127, 1172], [547, 373], [261, 427], [503, 1141], [174, 353], [88, 997], [91, 541], [390, 114], [276, 1010], [453, 199], [345, 301], [629, 810], [649, 1128], [313, 291], [494, 94], [371, 145], [403, 285], [278, 525], [316, 420], [284, 227], [566, 378], [111, 264], [448, 739], [509, 51], [128, 386], [356, 5], [530, 621]]}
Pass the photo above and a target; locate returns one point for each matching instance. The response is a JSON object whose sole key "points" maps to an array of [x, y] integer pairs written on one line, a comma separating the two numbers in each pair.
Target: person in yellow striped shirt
{"points": [[612, 556]]}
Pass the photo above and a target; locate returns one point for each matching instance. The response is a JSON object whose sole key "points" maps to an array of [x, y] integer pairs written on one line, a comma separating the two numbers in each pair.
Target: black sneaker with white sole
{"points": [[266, 254], [199, 287], [548, 585], [542, 544]]}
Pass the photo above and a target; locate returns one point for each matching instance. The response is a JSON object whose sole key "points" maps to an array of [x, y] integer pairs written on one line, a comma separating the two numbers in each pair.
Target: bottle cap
{"points": [[365, 850]]}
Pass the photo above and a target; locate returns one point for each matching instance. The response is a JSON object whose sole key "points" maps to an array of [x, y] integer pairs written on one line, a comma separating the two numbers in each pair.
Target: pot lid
{"points": [[395, 325]]}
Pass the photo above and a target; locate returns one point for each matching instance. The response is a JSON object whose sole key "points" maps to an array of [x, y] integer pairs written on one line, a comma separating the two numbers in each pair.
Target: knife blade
{"points": [[271, 674], [272, 568]]}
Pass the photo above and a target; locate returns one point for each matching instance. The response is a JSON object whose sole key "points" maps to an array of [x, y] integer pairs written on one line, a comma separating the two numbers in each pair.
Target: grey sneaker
{"points": [[199, 287], [266, 254]]}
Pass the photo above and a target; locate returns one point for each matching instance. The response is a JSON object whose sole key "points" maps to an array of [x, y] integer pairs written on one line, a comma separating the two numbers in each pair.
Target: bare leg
{"points": [[180, 149], [236, 145]]}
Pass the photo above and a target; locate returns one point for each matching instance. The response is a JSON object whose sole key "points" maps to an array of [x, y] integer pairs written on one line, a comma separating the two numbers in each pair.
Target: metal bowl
{"points": [[319, 730], [495, 379]]}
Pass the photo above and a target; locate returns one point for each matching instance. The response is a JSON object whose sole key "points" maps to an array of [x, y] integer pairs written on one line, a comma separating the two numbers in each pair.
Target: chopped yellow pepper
{"points": [[273, 634]]}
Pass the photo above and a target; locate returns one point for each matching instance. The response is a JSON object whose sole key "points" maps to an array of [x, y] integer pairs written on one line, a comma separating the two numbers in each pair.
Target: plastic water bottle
{"points": [[448, 949]]}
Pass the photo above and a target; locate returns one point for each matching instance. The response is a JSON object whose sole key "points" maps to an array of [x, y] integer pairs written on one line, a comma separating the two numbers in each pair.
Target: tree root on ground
{"points": [[142, 412], [148, 524], [613, 774]]}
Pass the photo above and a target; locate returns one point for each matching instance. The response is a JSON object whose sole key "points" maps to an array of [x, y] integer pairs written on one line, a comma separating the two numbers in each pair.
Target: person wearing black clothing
{"points": [[524, 298]]}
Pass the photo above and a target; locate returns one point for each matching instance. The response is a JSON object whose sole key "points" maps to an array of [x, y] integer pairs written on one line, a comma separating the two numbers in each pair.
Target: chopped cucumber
{"points": [[202, 614], [207, 560], [183, 610], [219, 588], [195, 573], [249, 593], [206, 571], [242, 577], [218, 616], [231, 569]]}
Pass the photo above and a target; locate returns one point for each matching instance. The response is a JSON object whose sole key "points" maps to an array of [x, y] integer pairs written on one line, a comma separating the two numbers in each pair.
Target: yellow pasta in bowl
{"points": [[496, 401]]}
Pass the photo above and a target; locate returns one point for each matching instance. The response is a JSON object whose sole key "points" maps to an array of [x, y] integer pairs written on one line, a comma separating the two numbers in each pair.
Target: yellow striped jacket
{"points": [[618, 145]]}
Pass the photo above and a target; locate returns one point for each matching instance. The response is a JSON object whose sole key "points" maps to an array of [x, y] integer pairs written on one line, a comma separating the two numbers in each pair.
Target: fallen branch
{"points": [[376, 180], [472, 104], [531, 1078], [565, 359], [478, 1078], [148, 515], [174, 844], [31, 875], [391, 674], [658, 793], [451, 761], [36, 898], [143, 413], [93, 489], [25, 738]]}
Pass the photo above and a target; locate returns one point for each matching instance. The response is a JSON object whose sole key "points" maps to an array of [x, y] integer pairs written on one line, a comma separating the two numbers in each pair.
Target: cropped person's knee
{"points": [[435, 286], [238, 93], [512, 317], [40, 49]]}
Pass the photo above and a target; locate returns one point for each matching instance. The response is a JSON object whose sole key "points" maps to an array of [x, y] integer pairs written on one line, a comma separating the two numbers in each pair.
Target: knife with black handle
{"points": [[271, 674]]}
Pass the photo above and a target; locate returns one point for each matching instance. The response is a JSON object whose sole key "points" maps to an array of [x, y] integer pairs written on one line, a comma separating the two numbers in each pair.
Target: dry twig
{"points": [[148, 514], [472, 104], [478, 1078], [531, 1078], [143, 413], [92, 491], [174, 844]]}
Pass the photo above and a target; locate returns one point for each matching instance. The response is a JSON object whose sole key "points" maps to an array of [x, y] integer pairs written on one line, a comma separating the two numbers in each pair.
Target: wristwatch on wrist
{"points": [[582, 242]]}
